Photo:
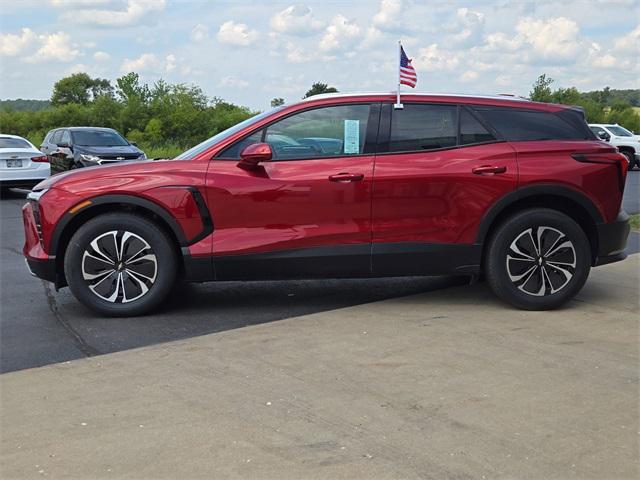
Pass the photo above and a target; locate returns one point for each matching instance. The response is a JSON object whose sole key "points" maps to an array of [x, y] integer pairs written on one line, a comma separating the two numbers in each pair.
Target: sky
{"points": [[248, 52]]}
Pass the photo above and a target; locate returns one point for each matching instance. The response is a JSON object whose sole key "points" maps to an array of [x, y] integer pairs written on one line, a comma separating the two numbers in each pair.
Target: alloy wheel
{"points": [[541, 261], [119, 266]]}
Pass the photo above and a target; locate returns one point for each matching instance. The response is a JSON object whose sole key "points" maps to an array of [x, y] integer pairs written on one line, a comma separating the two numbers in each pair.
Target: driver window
{"points": [[322, 132]]}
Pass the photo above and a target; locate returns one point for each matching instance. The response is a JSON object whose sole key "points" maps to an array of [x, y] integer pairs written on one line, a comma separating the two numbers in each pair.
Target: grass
{"points": [[168, 150], [635, 222]]}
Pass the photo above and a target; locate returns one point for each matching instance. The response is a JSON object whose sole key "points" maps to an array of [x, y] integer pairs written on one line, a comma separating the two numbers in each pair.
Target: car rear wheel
{"points": [[538, 259], [120, 265]]}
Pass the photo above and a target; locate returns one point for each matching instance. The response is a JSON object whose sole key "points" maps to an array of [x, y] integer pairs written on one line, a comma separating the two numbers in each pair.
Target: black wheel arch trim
{"points": [[141, 202], [532, 191]]}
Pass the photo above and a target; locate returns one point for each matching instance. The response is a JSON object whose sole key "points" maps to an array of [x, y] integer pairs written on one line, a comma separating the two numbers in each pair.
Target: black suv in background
{"points": [[77, 147]]}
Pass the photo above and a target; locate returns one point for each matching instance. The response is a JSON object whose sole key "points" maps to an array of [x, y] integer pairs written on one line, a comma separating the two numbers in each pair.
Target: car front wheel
{"points": [[538, 259], [631, 158], [120, 264]]}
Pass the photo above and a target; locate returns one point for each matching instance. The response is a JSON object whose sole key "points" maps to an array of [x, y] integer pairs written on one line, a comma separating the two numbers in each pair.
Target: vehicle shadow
{"points": [[201, 309]]}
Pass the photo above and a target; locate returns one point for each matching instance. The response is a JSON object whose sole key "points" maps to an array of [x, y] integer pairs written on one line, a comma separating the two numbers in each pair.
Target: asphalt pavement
{"points": [[39, 326], [446, 384], [631, 200]]}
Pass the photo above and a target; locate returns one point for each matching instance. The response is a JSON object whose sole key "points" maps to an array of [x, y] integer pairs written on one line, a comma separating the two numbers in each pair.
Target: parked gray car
{"points": [[77, 147]]}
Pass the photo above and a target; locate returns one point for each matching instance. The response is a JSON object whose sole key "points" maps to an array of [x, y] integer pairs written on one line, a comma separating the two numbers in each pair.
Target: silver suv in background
{"points": [[627, 142]]}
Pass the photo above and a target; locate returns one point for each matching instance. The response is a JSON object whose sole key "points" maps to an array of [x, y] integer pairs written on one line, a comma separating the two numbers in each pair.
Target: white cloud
{"points": [[431, 58], [296, 20], [339, 34], [147, 62], [200, 33], [134, 12], [469, 27], [469, 76], [54, 47], [231, 81], [499, 41], [296, 55], [555, 38], [233, 33], [170, 63], [12, 44], [388, 16], [101, 56], [503, 80], [629, 43], [79, 3]]}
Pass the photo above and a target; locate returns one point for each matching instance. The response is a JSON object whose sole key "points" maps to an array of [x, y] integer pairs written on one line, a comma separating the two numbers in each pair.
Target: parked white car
{"points": [[626, 141], [21, 163]]}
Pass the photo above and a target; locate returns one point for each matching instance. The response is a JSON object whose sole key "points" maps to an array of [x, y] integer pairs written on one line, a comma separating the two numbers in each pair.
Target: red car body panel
{"points": [[435, 197], [288, 205], [544, 162]]}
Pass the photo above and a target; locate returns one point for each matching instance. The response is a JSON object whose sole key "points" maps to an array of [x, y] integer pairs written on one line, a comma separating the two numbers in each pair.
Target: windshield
{"points": [[98, 138], [620, 131], [201, 147], [8, 142]]}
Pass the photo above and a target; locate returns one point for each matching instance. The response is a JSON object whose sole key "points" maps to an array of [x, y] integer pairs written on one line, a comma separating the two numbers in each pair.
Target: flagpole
{"points": [[398, 105]]}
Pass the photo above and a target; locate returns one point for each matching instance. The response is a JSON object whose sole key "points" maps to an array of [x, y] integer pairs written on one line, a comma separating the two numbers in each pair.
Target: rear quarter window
{"points": [[525, 125]]}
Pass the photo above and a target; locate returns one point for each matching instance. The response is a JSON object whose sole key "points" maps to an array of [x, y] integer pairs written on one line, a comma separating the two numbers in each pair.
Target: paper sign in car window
{"points": [[352, 136]]}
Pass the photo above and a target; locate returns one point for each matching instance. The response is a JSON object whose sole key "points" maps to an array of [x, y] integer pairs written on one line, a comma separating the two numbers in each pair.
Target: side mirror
{"points": [[135, 144], [63, 145], [604, 135], [253, 154]]}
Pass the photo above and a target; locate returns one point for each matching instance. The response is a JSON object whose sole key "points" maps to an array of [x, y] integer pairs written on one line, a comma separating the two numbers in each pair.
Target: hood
{"points": [[114, 175], [91, 150]]}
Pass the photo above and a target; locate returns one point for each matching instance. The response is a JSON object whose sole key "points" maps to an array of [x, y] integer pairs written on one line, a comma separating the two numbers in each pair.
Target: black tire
{"points": [[519, 281], [145, 271], [631, 158]]}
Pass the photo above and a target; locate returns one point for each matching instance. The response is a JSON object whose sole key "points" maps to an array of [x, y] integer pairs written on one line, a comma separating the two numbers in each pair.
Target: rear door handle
{"points": [[346, 177], [489, 169]]}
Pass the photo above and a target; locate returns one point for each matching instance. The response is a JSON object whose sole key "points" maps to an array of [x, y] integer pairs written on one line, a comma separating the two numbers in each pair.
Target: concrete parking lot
{"points": [[395, 378]]}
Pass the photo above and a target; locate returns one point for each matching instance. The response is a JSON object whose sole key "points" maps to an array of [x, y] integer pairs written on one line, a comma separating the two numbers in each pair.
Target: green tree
{"points": [[129, 88], [276, 102], [319, 88], [79, 88], [541, 91]]}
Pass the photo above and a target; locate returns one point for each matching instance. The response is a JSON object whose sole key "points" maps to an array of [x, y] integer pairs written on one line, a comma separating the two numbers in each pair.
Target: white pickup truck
{"points": [[626, 141]]}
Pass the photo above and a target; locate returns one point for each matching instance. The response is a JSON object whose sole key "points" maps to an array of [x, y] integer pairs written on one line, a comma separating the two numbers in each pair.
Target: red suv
{"points": [[345, 186]]}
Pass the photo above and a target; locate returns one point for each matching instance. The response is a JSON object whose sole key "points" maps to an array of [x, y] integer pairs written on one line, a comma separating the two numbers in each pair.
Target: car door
{"points": [[307, 212], [438, 171]]}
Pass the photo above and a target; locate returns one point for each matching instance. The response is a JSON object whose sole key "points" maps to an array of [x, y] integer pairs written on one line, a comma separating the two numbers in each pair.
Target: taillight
{"points": [[41, 158]]}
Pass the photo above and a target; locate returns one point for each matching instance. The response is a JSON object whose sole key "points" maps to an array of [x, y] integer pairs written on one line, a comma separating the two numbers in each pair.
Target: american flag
{"points": [[407, 72]]}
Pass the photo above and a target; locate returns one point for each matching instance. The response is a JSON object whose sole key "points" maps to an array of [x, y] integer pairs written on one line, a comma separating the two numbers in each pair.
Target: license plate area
{"points": [[14, 163]]}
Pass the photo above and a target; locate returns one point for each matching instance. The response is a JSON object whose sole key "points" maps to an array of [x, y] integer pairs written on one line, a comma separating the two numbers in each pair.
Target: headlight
{"points": [[35, 196], [90, 158], [142, 156]]}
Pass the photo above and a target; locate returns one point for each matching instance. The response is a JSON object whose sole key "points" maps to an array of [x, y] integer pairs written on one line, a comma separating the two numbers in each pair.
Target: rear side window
{"points": [[423, 127], [521, 125], [10, 142], [57, 136], [472, 131]]}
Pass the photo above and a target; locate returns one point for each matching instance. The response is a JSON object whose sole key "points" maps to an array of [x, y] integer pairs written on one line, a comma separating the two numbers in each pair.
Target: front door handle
{"points": [[489, 169], [346, 177]]}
